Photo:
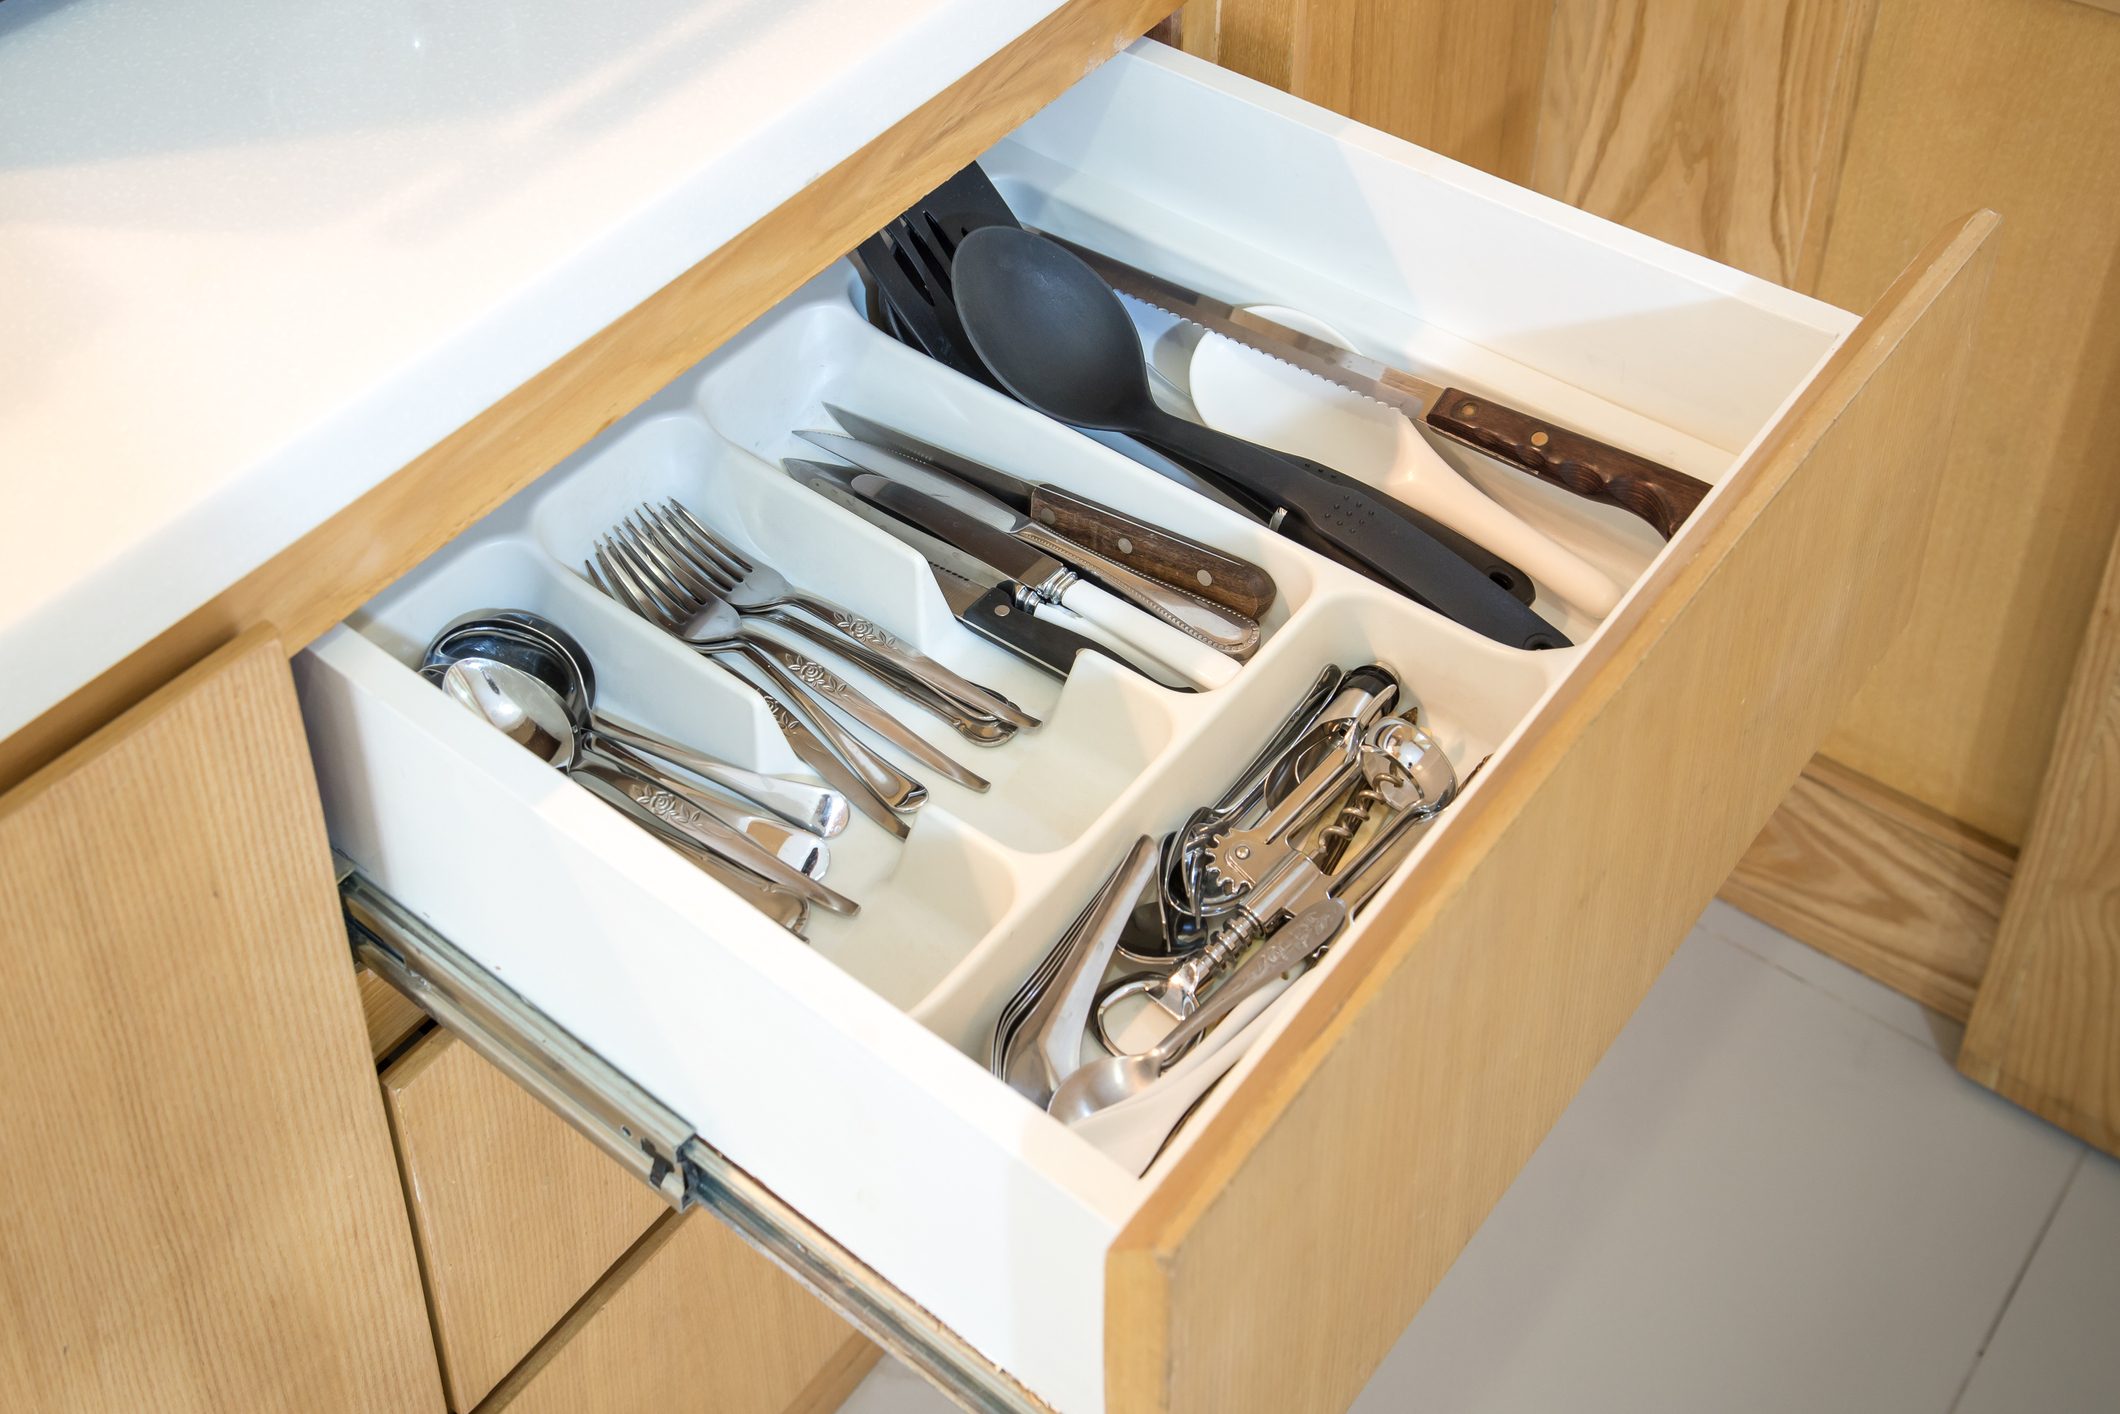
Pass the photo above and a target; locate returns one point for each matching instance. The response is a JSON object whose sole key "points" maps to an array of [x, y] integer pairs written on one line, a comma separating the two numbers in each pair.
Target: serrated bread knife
{"points": [[1576, 463]]}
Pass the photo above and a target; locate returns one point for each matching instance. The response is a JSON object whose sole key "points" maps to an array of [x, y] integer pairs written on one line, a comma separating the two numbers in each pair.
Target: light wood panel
{"points": [[390, 1016], [2046, 1029], [2010, 104], [1463, 79], [691, 1320], [324, 576], [1429, 1069], [517, 1216], [1715, 127], [837, 1378], [1898, 891], [201, 1211]]}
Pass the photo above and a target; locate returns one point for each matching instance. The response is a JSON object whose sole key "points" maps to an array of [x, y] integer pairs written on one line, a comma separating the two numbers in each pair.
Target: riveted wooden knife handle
{"points": [[1580, 464], [1162, 555]]}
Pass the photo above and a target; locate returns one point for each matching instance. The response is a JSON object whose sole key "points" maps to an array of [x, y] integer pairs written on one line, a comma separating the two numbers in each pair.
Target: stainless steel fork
{"points": [[873, 785], [753, 588], [677, 577]]}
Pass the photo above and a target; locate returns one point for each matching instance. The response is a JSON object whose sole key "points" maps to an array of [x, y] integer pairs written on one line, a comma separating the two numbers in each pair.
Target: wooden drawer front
{"points": [[691, 1320], [1624, 775], [516, 1215]]}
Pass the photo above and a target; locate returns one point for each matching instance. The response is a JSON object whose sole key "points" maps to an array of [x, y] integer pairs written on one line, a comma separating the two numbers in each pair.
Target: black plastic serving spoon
{"points": [[1059, 339]]}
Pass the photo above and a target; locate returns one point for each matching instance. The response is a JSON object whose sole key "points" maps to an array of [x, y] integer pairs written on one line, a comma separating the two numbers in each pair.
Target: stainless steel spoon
{"points": [[1102, 1084], [567, 670], [527, 708], [530, 714]]}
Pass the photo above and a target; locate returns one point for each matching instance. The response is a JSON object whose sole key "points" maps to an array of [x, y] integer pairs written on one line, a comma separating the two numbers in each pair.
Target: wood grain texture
{"points": [[201, 1211], [692, 1319], [324, 576], [1900, 892], [516, 1215], [391, 1017], [2045, 1030], [837, 1378], [2009, 104], [1462, 79], [1431, 1062], [1716, 127]]}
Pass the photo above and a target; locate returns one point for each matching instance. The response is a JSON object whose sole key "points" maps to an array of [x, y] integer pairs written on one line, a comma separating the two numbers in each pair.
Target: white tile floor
{"points": [[1773, 1194]]}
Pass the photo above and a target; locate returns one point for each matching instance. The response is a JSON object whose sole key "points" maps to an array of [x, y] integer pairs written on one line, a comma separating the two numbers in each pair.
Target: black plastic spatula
{"points": [[1058, 338]]}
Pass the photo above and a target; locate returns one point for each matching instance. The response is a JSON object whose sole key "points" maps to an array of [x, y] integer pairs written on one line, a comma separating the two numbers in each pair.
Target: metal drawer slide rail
{"points": [[653, 1143]]}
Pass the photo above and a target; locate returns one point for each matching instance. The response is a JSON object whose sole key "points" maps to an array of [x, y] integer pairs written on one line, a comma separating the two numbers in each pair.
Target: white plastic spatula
{"points": [[1257, 397]]}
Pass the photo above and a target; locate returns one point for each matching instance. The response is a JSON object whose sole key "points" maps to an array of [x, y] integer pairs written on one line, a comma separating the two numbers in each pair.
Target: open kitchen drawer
{"points": [[831, 1099]]}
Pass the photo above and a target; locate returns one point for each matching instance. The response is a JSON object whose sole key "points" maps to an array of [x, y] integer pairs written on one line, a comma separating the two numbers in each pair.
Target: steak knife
{"points": [[1213, 624], [1583, 465], [985, 602], [982, 554], [1162, 555]]}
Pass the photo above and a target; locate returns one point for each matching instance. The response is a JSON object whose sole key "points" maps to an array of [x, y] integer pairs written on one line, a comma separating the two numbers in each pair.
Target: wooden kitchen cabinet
{"points": [[516, 1215], [202, 1212], [691, 1320], [850, 1138]]}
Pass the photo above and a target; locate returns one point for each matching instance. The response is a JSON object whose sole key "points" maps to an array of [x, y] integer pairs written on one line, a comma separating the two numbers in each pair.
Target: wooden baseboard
{"points": [[1893, 888]]}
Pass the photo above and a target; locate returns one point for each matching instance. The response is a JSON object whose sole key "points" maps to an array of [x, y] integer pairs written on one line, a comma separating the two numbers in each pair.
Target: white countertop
{"points": [[256, 257]]}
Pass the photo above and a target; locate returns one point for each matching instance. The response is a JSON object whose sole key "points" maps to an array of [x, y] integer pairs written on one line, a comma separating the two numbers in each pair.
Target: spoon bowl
{"points": [[520, 706]]}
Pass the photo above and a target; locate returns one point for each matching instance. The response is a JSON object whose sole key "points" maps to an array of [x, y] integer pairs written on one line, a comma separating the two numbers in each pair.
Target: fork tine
{"points": [[614, 558], [644, 565], [727, 550], [673, 568], [673, 534], [702, 580]]}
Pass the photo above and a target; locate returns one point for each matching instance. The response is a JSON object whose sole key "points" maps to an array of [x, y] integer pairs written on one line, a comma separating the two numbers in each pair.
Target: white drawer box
{"points": [[846, 1076]]}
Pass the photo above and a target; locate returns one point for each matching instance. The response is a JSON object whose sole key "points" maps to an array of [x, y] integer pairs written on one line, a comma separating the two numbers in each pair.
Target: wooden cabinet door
{"points": [[203, 1212]]}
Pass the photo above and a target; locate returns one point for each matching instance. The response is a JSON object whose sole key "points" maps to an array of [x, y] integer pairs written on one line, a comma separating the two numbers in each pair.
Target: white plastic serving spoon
{"points": [[1257, 397]]}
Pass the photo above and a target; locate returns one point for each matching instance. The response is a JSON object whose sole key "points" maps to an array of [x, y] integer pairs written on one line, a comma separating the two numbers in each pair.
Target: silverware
{"points": [[968, 547], [1102, 1084], [659, 541], [1162, 555], [985, 601], [528, 713], [752, 588], [540, 647], [1045, 1044], [873, 785], [1216, 625]]}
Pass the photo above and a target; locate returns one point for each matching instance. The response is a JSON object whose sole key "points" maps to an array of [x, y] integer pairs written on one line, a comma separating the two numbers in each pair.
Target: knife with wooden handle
{"points": [[1199, 570], [1163, 555], [1576, 463]]}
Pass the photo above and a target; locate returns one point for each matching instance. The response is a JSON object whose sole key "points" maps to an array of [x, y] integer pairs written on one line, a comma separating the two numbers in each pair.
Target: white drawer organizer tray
{"points": [[846, 1076]]}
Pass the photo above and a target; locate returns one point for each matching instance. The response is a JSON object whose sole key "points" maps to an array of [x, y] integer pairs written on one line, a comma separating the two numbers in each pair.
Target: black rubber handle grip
{"points": [[1370, 532]]}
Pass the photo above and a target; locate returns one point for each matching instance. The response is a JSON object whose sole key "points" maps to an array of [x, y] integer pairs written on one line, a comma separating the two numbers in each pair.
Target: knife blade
{"points": [[1577, 463], [1222, 629], [977, 551], [1185, 564], [982, 600]]}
